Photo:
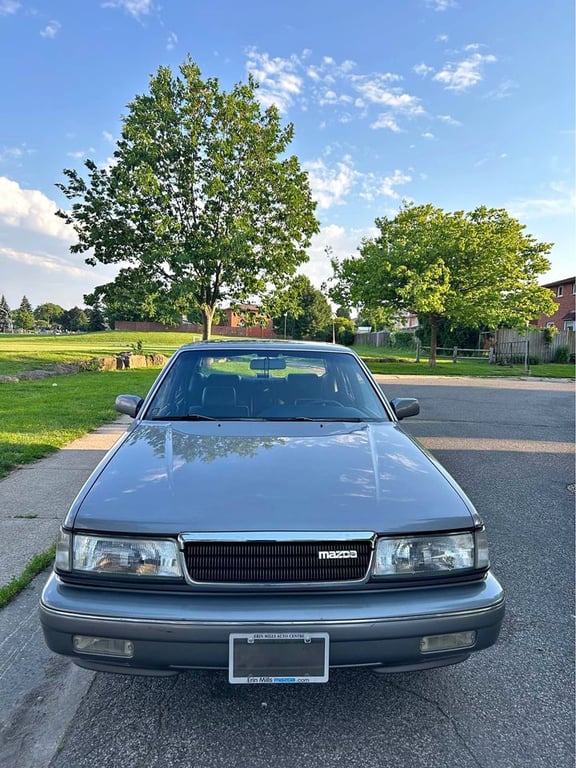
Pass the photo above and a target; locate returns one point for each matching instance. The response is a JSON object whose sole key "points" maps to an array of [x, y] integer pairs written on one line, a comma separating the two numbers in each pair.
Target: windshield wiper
{"points": [[190, 417]]}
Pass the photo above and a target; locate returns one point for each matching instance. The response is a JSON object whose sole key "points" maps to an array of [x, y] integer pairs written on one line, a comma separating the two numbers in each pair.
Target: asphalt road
{"points": [[511, 447]]}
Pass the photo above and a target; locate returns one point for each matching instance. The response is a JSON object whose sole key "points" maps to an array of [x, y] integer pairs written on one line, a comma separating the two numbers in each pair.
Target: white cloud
{"points": [[49, 276], [330, 185], [45, 262], [448, 120], [375, 89], [80, 153], [441, 39], [136, 8], [464, 74], [8, 154], [51, 30], [172, 41], [386, 120], [374, 187], [427, 135], [8, 7], [422, 69], [441, 5], [562, 202], [31, 209], [502, 91], [279, 83], [107, 136]]}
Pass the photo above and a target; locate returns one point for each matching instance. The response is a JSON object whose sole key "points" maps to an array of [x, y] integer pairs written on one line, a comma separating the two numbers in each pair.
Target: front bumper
{"points": [[178, 631]]}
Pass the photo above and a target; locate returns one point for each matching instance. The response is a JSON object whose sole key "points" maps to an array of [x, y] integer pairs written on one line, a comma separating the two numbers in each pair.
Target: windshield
{"points": [[266, 384]]}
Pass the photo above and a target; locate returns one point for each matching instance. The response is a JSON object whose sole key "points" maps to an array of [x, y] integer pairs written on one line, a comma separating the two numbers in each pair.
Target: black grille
{"points": [[274, 562]]}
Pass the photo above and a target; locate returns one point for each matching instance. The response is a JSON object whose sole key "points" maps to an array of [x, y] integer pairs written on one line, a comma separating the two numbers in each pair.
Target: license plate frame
{"points": [[278, 658]]}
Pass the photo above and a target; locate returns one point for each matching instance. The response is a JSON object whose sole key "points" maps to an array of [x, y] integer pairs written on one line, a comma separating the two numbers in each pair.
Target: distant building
{"points": [[564, 292], [406, 321], [247, 315]]}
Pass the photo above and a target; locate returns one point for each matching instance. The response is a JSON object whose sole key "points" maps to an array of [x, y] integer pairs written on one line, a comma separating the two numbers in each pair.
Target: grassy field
{"points": [[37, 417], [25, 352]]}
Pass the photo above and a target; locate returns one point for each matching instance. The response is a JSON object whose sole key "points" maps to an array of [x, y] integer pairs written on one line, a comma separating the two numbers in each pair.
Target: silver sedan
{"points": [[265, 514]]}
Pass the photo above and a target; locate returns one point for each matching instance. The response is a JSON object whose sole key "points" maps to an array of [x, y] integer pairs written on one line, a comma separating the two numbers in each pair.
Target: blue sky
{"points": [[454, 102]]}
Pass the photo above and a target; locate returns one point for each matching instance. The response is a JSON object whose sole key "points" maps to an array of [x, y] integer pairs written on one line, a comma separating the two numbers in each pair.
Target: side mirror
{"points": [[405, 406], [128, 404]]}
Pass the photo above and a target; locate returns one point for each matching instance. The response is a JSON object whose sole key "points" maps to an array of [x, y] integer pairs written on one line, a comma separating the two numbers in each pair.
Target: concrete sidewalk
{"points": [[35, 497]]}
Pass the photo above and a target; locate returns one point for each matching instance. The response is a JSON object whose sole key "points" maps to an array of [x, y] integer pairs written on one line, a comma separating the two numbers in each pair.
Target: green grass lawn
{"points": [[25, 352], [38, 417]]}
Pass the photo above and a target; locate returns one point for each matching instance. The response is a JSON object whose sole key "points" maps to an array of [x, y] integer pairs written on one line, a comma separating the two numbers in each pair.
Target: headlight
{"points": [[134, 557], [428, 555]]}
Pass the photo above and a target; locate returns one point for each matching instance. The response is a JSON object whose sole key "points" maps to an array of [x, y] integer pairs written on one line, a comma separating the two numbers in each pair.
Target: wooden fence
{"points": [[511, 343]]}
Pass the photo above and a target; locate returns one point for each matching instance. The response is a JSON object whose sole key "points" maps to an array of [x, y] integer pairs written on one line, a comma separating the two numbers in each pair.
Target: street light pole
{"points": [[285, 317]]}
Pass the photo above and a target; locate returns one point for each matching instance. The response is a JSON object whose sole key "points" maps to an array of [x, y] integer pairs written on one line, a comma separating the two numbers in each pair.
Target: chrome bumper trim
{"points": [[320, 622]]}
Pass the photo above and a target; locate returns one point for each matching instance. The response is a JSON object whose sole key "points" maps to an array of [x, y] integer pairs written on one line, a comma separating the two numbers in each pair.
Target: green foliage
{"points": [[561, 355], [307, 310], [137, 346], [75, 319], [403, 340], [25, 306], [447, 336], [96, 320], [341, 330], [49, 313], [473, 269], [203, 202], [548, 334], [23, 317]]}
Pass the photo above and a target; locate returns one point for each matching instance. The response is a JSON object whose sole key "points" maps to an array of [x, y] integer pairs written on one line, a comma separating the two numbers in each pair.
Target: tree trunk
{"points": [[433, 340], [207, 317]]}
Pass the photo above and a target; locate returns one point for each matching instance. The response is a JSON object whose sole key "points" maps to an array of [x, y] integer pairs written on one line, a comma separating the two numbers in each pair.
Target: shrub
{"points": [[403, 340], [561, 355], [548, 334]]}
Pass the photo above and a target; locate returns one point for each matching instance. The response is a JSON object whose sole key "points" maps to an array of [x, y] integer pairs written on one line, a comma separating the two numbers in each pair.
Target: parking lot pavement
{"points": [[35, 498]]}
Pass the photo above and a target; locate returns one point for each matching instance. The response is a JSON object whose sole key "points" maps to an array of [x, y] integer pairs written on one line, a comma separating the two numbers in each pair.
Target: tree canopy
{"points": [[300, 308], [49, 312], [201, 200], [472, 269]]}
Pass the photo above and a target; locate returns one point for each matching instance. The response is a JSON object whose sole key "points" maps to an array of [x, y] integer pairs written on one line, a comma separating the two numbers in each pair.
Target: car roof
{"points": [[263, 344]]}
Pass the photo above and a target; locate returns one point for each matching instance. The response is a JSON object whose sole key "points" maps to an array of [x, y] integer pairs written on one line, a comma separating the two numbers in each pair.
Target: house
{"points": [[564, 292], [247, 315]]}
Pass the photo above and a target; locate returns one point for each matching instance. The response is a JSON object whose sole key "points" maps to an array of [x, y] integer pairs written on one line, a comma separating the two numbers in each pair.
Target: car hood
{"points": [[168, 478]]}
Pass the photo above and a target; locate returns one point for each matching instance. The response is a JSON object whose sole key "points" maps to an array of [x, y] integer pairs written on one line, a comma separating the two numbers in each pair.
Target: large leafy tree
{"points": [[202, 198], [300, 308], [472, 269], [136, 296], [75, 319], [49, 313]]}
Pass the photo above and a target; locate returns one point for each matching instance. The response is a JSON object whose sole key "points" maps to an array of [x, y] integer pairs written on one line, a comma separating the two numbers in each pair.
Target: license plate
{"points": [[284, 657]]}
